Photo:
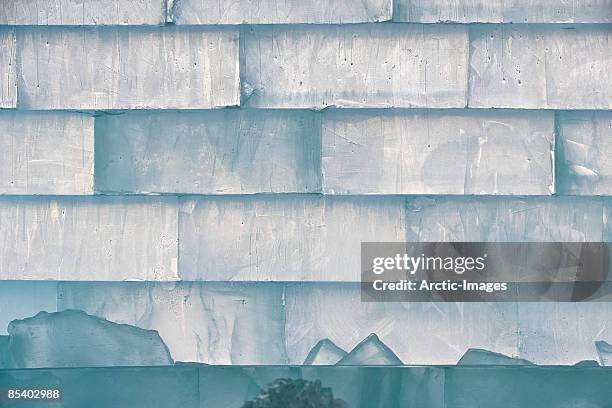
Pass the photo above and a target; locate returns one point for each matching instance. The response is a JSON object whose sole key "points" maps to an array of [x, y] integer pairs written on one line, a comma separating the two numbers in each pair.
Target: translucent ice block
{"points": [[604, 350], [214, 323], [75, 339], [419, 333], [371, 351], [325, 352], [485, 357], [19, 299]]}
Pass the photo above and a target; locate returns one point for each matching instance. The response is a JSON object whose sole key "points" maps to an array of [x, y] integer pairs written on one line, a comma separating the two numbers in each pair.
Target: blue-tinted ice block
{"points": [[19, 299], [418, 333], [214, 323], [584, 144], [228, 151], [485, 357], [72, 338], [284, 238]]}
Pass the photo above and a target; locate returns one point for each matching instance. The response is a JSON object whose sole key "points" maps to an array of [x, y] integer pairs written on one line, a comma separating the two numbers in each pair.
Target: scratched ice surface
{"points": [[418, 333], [278, 11], [555, 333], [506, 219], [81, 12], [584, 142], [213, 323], [440, 333], [503, 11]]}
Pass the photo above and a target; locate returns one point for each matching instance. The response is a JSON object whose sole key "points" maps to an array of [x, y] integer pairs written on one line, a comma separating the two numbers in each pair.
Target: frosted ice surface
{"points": [[418, 333], [293, 237], [213, 323], [414, 151], [82, 12], [485, 357], [88, 238], [46, 153], [503, 11], [147, 67], [75, 339], [325, 352], [8, 90], [372, 77], [280, 11], [552, 67], [505, 219], [371, 351], [553, 333]]}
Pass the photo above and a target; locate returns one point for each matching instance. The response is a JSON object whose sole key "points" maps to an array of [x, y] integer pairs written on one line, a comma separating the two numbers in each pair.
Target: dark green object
{"points": [[289, 393]]}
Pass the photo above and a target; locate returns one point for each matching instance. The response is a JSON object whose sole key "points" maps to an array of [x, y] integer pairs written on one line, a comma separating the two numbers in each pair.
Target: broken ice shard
{"points": [[587, 363], [604, 351], [325, 352], [371, 351], [485, 357], [73, 338]]}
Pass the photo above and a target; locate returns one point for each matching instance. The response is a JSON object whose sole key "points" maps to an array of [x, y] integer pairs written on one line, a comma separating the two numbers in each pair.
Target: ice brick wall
{"points": [[281, 134]]}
